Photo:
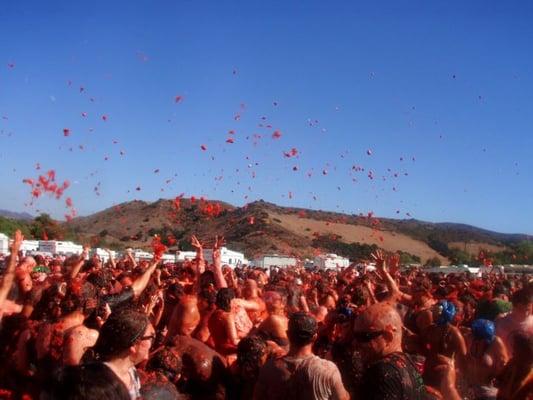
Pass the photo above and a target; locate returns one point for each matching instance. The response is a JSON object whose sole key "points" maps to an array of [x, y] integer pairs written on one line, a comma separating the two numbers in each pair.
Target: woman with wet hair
{"points": [[222, 323], [252, 353], [124, 341]]}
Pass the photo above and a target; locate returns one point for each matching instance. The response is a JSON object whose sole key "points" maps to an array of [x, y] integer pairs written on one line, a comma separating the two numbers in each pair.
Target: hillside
{"points": [[262, 227]]}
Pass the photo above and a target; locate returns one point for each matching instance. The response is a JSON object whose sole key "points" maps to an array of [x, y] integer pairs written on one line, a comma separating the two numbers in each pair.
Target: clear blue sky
{"points": [[448, 83]]}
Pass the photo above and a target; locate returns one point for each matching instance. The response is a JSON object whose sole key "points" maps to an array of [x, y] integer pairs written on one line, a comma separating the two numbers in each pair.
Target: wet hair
{"points": [[207, 277], [174, 290], [88, 381], [224, 297], [160, 391], [121, 330], [522, 296], [98, 280], [208, 295], [250, 352], [499, 290], [77, 298], [302, 329], [166, 362]]}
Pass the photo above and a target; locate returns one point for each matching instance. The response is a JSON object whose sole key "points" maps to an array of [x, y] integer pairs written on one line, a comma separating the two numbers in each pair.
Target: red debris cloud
{"points": [[158, 248], [276, 135], [291, 153]]}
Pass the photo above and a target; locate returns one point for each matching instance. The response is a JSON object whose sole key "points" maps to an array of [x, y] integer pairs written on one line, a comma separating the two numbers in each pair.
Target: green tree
{"points": [[433, 262], [9, 226], [44, 226]]}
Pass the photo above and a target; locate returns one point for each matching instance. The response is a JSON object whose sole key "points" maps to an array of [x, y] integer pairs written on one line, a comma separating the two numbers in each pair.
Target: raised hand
{"points": [[379, 258], [196, 243], [17, 242], [219, 242], [394, 263]]}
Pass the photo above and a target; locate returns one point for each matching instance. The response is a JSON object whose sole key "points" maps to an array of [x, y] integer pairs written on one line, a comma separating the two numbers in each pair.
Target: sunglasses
{"points": [[365, 337], [149, 337]]}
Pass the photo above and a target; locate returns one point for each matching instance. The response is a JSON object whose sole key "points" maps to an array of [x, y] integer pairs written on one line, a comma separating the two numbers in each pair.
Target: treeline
{"points": [[355, 251], [517, 253]]}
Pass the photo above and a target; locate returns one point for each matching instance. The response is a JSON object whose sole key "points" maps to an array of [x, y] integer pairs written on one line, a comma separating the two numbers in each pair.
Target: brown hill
{"points": [[262, 227]]}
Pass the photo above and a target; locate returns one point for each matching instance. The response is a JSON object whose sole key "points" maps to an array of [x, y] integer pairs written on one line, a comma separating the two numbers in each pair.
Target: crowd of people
{"points": [[80, 328]]}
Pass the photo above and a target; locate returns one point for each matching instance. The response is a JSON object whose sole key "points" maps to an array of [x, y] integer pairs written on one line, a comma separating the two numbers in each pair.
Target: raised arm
{"points": [[141, 282], [9, 274], [395, 294], [199, 262], [77, 267], [130, 257], [220, 280], [111, 259]]}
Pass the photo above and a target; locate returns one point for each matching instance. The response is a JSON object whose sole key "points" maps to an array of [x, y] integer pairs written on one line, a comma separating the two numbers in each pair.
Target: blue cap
{"points": [[483, 329], [446, 312]]}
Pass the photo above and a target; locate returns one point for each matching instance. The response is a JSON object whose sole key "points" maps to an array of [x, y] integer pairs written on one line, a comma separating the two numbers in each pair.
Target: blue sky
{"points": [[446, 83]]}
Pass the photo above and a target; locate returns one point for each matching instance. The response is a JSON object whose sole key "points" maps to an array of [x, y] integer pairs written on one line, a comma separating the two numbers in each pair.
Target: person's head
{"points": [[224, 297], [275, 303], [126, 333], [422, 293], [523, 302], [206, 300], [302, 330], [188, 315], [93, 381], [251, 356], [483, 330], [378, 332], [443, 312], [250, 288], [167, 363], [500, 292], [80, 297], [160, 391]]}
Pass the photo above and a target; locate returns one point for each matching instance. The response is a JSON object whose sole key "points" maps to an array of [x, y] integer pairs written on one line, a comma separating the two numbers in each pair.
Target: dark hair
{"points": [[88, 381], [302, 329], [250, 351], [98, 280], [499, 290], [224, 297], [522, 296], [121, 330], [160, 391], [208, 295], [166, 362]]}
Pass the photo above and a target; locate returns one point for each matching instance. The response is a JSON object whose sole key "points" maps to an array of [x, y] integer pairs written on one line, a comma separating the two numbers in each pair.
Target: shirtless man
{"points": [[519, 319], [185, 317], [485, 359], [389, 374], [275, 326], [222, 324], [442, 338], [250, 293]]}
